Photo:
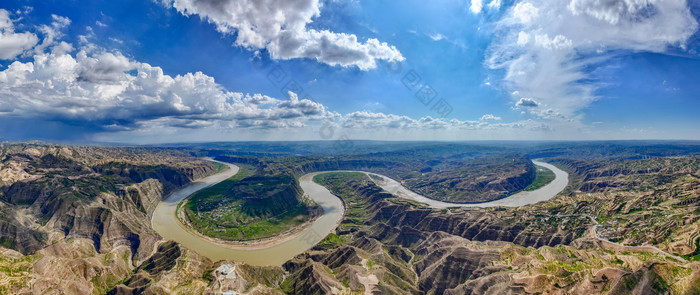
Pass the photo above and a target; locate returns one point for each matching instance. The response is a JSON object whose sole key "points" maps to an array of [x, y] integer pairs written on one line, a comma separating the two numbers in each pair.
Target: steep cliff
{"points": [[478, 180], [452, 177], [280, 194], [170, 177], [171, 269], [84, 213], [397, 246], [78, 194]]}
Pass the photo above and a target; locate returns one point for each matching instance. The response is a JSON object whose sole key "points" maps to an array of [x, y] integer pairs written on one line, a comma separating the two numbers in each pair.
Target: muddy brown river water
{"points": [[165, 222]]}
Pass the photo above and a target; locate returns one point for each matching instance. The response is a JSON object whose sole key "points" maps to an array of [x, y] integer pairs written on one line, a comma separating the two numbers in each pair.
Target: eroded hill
{"points": [[453, 175], [393, 246], [82, 214], [77, 218], [249, 207]]}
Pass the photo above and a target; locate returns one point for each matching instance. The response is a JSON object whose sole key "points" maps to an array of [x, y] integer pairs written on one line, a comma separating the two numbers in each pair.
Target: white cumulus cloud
{"points": [[558, 42], [476, 6], [106, 93], [280, 26], [489, 117], [547, 48], [525, 12], [523, 38], [111, 92], [613, 11], [13, 44], [527, 103]]}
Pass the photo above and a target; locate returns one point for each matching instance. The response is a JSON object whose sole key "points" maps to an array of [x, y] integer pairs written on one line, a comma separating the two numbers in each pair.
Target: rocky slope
{"points": [[391, 246], [478, 180], [452, 177], [170, 269], [653, 201], [386, 245], [415, 248], [282, 192], [83, 214], [73, 223]]}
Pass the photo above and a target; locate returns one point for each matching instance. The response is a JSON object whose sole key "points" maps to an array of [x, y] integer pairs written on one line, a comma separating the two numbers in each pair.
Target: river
{"points": [[165, 222], [561, 180]]}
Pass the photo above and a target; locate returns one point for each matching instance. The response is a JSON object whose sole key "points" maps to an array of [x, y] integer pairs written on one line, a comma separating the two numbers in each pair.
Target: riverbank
{"points": [[255, 244], [275, 252], [523, 198], [278, 250]]}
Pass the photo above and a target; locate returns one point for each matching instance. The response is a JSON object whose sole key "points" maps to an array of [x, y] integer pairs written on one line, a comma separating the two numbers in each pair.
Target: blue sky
{"points": [[182, 70]]}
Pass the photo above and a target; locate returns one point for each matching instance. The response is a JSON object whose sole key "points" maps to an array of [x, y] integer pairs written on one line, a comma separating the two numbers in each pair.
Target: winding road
{"points": [[164, 220], [609, 244]]}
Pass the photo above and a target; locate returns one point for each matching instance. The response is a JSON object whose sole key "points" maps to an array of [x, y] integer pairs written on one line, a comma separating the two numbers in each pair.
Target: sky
{"points": [[144, 71]]}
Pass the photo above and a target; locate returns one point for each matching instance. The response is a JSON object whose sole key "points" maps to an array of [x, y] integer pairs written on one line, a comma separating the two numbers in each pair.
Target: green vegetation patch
{"points": [[544, 177], [332, 241], [695, 256], [249, 206], [15, 273], [219, 167], [341, 184]]}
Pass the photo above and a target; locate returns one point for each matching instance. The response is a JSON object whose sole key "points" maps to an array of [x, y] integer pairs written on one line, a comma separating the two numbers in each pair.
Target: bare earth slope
{"points": [[81, 214], [77, 218]]}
